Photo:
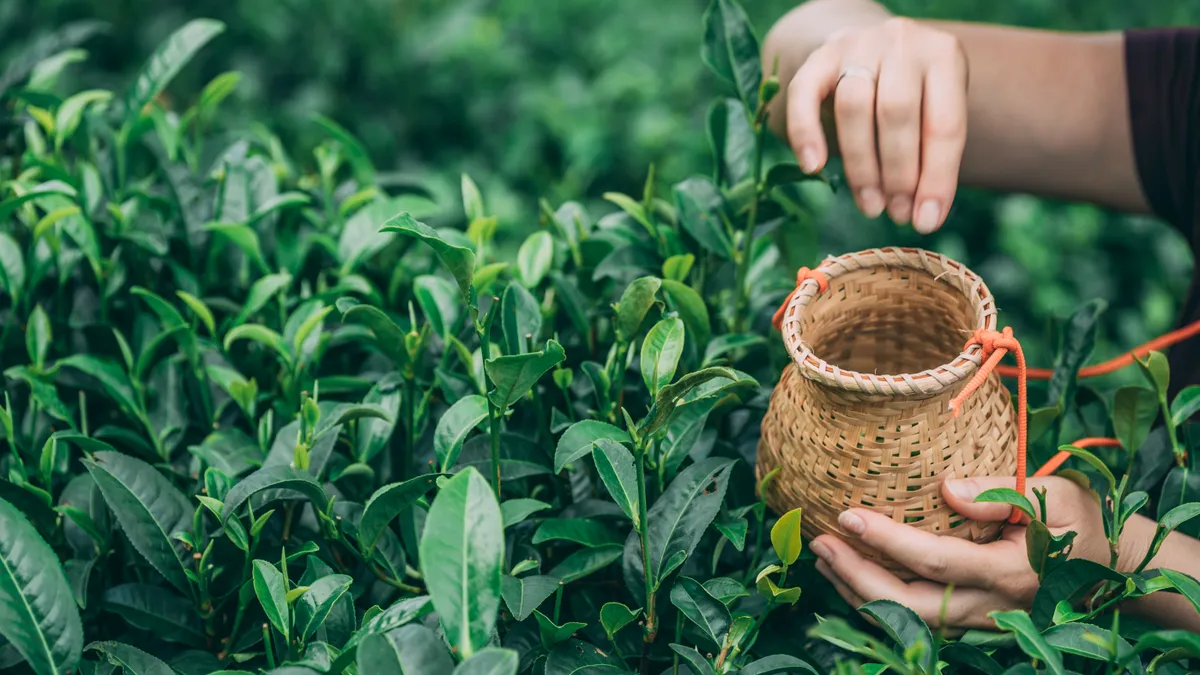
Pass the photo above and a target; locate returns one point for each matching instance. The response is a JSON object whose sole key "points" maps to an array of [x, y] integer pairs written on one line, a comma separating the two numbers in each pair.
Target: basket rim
{"points": [[927, 382]]}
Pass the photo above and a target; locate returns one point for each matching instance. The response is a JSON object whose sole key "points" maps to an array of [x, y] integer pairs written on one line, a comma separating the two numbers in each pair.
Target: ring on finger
{"points": [[856, 71]]}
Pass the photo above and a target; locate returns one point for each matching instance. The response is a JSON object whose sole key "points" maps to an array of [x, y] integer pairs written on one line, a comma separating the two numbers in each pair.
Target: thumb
{"points": [[960, 494]]}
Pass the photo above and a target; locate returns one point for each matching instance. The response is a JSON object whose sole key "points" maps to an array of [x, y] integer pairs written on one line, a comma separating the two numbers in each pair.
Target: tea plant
{"points": [[267, 413]]}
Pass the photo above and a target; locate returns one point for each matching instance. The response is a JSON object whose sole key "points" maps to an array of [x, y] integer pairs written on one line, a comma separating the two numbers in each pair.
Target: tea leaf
{"points": [[1186, 585], [614, 616], [700, 203], [906, 629], [696, 662], [131, 659], [615, 466], [244, 238], [387, 503], [575, 657], [406, 650], [454, 426], [438, 301], [1185, 405], [524, 594], [170, 57], [1010, 497], [462, 552], [660, 353], [731, 49], [701, 608], [514, 376], [1029, 639], [521, 319], [777, 664], [1064, 582], [553, 634], [274, 478], [360, 159], [580, 438], [1084, 640], [1157, 371], [535, 258], [585, 561], [490, 661], [589, 533], [516, 511], [635, 302], [458, 259], [152, 608], [1094, 461], [314, 606]]}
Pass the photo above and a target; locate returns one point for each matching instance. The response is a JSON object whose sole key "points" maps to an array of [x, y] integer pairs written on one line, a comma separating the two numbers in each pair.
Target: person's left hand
{"points": [[986, 577]]}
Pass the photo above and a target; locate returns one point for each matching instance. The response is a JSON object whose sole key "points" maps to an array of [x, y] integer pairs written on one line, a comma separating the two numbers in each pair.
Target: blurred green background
{"points": [[568, 99]]}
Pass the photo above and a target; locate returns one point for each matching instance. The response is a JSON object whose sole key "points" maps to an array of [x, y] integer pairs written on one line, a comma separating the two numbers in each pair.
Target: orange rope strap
{"points": [[1115, 364], [802, 275]]}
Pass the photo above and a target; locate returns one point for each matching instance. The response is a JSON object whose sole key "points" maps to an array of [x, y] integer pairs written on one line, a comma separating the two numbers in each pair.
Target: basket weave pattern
{"points": [[844, 435]]}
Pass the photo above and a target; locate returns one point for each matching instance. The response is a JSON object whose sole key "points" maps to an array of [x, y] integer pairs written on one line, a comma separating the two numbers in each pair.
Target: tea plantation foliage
{"points": [[273, 410]]}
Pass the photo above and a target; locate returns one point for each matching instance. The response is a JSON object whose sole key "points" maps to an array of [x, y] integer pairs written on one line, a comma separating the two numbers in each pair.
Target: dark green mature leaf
{"points": [[1078, 341], [1181, 486], [579, 439], [578, 530], [38, 615], [149, 508], [133, 660], [453, 427], [170, 57], [462, 554], [521, 319], [731, 49], [460, 260], [678, 519], [515, 511], [1086, 640], [635, 303], [967, 655], [614, 616], [699, 203], [513, 376], [777, 664], [1169, 640], [1029, 639], [552, 633], [315, 605], [490, 661], [701, 608], [1185, 405], [522, 595], [670, 396], [1186, 585], [12, 268], [158, 610], [273, 478], [694, 659], [408, 650], [1064, 582], [113, 380], [388, 336], [360, 159], [615, 466], [585, 561], [387, 503], [1134, 411], [906, 628], [270, 587], [576, 657]]}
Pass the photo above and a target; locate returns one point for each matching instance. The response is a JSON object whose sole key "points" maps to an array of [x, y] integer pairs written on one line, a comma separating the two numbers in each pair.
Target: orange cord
{"points": [[802, 275], [994, 345]]}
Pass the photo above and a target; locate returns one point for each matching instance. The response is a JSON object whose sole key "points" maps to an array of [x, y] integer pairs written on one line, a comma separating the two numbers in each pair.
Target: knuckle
{"points": [[933, 566], [946, 126], [852, 101], [901, 26], [896, 108]]}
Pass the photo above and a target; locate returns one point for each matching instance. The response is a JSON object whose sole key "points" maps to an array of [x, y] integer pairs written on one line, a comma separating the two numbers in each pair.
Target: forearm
{"points": [[1179, 552]]}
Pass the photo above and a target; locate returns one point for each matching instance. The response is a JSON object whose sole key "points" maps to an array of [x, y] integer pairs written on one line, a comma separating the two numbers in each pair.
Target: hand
{"points": [[986, 577], [899, 93]]}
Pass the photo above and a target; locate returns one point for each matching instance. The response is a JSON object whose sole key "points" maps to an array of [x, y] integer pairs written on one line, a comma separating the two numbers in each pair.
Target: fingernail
{"points": [[900, 209], [870, 200], [820, 550], [808, 159], [851, 523], [926, 220], [962, 488]]}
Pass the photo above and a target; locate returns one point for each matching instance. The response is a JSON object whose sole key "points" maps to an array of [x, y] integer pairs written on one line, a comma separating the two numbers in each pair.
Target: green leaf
{"points": [[967, 655], [515, 511], [1086, 640], [614, 616], [615, 466], [585, 561], [157, 610], [1010, 497], [12, 266], [149, 508], [1169, 640], [680, 516], [1178, 516], [1029, 639], [112, 379], [270, 588], [579, 439], [699, 202], [244, 238], [635, 302], [701, 608], [314, 606], [695, 661], [360, 159], [777, 664], [261, 292], [522, 595], [551, 633], [1045, 550], [201, 311], [669, 396], [131, 659], [785, 537], [724, 344], [534, 258], [276, 477], [1094, 461], [439, 302], [66, 119], [677, 267], [390, 338], [454, 426], [37, 336], [170, 57], [1065, 582], [1186, 585], [408, 650], [513, 376], [387, 503], [785, 173], [521, 319], [38, 614], [575, 657], [490, 661], [590, 533], [1134, 411], [731, 49], [1157, 371], [1040, 421], [462, 554], [1078, 341], [460, 260], [1185, 405], [906, 629], [660, 353]]}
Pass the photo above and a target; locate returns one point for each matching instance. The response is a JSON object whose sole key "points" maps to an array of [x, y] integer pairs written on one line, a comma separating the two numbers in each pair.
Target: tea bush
{"points": [[261, 417]]}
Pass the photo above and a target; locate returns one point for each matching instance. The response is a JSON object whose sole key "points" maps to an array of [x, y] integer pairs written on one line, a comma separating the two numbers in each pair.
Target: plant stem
{"points": [[410, 425], [651, 629], [678, 636], [494, 430], [558, 601], [269, 647], [743, 258]]}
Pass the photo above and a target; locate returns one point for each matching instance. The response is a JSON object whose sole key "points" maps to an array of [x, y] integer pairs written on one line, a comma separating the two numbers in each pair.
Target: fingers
{"points": [[943, 139], [948, 560], [854, 109], [1065, 501], [813, 83], [856, 578], [898, 111]]}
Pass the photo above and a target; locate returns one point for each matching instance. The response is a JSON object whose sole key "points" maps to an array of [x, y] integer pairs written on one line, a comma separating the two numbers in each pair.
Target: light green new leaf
{"points": [[785, 537], [535, 258], [12, 268], [1157, 371], [439, 302], [261, 292], [513, 376], [462, 556], [262, 335], [660, 353], [389, 337], [579, 438], [170, 57], [38, 615], [355, 152], [244, 238], [1010, 497], [1134, 411], [38, 336], [149, 508], [1094, 461], [454, 426], [271, 590], [66, 119], [387, 503], [635, 303], [201, 311], [1186, 585], [1186, 404], [615, 465], [691, 308], [460, 260]]}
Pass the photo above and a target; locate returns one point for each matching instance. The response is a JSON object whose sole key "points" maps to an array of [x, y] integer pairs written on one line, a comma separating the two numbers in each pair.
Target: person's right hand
{"points": [[899, 93]]}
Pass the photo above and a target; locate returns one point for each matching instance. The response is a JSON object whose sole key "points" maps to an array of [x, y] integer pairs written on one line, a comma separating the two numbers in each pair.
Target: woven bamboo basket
{"points": [[861, 417]]}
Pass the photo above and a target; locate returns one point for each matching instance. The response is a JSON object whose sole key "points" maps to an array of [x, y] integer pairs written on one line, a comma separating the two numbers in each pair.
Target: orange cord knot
{"points": [[993, 345], [802, 275]]}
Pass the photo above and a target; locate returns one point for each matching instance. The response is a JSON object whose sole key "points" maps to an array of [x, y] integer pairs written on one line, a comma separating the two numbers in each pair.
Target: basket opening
{"points": [[888, 321]]}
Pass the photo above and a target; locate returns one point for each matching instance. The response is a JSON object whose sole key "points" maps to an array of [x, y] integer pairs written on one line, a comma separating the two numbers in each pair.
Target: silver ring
{"points": [[855, 71]]}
